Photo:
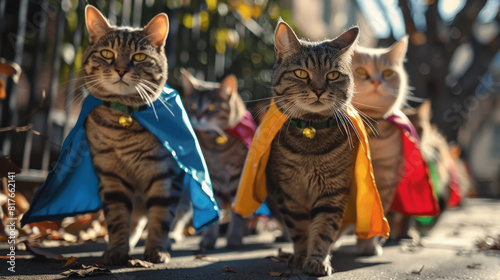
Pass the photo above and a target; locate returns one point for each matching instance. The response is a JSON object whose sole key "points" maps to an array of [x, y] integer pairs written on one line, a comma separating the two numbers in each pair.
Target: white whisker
{"points": [[165, 104], [151, 104], [369, 121]]}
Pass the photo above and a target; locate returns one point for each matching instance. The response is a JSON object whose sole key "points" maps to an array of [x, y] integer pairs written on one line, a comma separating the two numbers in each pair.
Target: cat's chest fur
{"points": [[311, 166], [114, 147], [387, 153], [225, 162]]}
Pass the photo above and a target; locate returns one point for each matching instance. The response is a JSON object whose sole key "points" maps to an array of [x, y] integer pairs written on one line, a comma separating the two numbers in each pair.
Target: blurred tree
{"points": [[214, 38], [433, 61], [450, 49]]}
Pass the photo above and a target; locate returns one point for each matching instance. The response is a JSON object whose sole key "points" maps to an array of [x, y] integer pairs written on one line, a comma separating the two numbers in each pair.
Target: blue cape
{"points": [[71, 188]]}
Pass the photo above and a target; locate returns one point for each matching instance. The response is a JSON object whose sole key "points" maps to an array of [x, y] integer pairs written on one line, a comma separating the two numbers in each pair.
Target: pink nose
{"points": [[121, 71], [376, 83]]}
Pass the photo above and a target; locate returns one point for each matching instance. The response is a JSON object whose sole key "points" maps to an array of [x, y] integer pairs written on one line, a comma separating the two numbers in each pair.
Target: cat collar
{"points": [[310, 128], [125, 121], [124, 108]]}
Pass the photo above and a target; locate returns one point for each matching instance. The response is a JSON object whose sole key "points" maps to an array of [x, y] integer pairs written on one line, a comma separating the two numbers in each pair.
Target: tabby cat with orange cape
{"points": [[310, 153]]}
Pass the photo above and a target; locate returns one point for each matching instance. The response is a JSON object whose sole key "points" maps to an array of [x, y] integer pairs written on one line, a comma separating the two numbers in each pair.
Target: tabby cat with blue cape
{"points": [[73, 186]]}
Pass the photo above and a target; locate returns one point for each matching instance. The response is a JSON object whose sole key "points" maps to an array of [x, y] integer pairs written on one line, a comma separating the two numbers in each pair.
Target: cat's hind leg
{"points": [[183, 216], [236, 230], [211, 233], [162, 199]]}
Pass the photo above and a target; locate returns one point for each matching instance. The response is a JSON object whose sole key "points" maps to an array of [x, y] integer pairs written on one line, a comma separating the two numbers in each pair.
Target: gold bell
{"points": [[309, 132], [125, 121], [221, 140]]}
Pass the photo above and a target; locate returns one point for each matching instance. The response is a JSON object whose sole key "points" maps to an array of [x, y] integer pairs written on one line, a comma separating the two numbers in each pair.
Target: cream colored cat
{"points": [[381, 88]]}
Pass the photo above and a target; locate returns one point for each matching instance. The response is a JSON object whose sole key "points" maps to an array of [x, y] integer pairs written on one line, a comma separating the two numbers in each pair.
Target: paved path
{"points": [[448, 252]]}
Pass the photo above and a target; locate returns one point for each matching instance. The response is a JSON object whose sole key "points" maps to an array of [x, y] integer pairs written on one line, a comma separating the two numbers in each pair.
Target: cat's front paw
{"points": [[316, 267], [116, 256], [156, 255], [296, 260], [369, 247]]}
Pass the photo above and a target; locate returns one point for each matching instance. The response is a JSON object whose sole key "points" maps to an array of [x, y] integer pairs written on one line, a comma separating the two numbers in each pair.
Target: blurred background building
{"points": [[453, 59]]}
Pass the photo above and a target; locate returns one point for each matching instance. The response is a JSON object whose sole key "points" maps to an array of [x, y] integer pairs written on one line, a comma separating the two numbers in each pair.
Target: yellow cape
{"points": [[364, 207]]}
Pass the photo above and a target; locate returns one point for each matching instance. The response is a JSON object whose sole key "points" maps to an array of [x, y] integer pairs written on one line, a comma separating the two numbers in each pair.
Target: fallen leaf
{"points": [[418, 271], [474, 266], [37, 251], [139, 263], [46, 226], [279, 274], [85, 271], [205, 258], [227, 268], [71, 262]]}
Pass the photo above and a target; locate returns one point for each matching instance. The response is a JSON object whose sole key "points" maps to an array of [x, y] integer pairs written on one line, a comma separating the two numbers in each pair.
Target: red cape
{"points": [[415, 194], [244, 130]]}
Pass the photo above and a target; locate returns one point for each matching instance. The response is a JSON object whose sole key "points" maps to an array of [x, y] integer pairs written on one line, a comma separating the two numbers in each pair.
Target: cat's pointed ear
{"points": [[397, 51], [97, 25], [285, 40], [346, 39], [228, 86], [188, 82], [157, 30]]}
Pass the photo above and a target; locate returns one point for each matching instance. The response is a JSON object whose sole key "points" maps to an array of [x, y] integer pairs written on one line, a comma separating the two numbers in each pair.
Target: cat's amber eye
{"points": [[362, 72], [211, 107], [332, 76], [139, 57], [194, 107], [387, 73], [107, 54], [301, 73]]}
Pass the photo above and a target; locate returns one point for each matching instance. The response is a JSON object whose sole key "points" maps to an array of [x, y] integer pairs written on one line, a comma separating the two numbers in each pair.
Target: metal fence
{"points": [[46, 39]]}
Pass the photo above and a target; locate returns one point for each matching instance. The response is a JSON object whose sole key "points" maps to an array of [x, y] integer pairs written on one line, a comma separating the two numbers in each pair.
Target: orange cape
{"points": [[364, 207]]}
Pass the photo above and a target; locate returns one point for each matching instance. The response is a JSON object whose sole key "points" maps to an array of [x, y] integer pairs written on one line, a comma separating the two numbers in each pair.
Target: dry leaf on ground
{"points": [[39, 252], [418, 271], [278, 274], [205, 258], [71, 262], [84, 271], [227, 268], [139, 263], [474, 266]]}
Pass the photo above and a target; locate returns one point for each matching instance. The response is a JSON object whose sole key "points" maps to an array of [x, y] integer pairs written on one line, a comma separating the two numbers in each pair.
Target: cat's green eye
{"points": [[211, 107], [301, 73], [107, 54], [139, 57], [194, 107], [332, 76], [387, 73], [362, 72]]}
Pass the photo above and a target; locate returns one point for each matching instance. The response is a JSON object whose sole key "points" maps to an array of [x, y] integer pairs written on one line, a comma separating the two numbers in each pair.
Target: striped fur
{"points": [[213, 107], [381, 86], [136, 173], [310, 179]]}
